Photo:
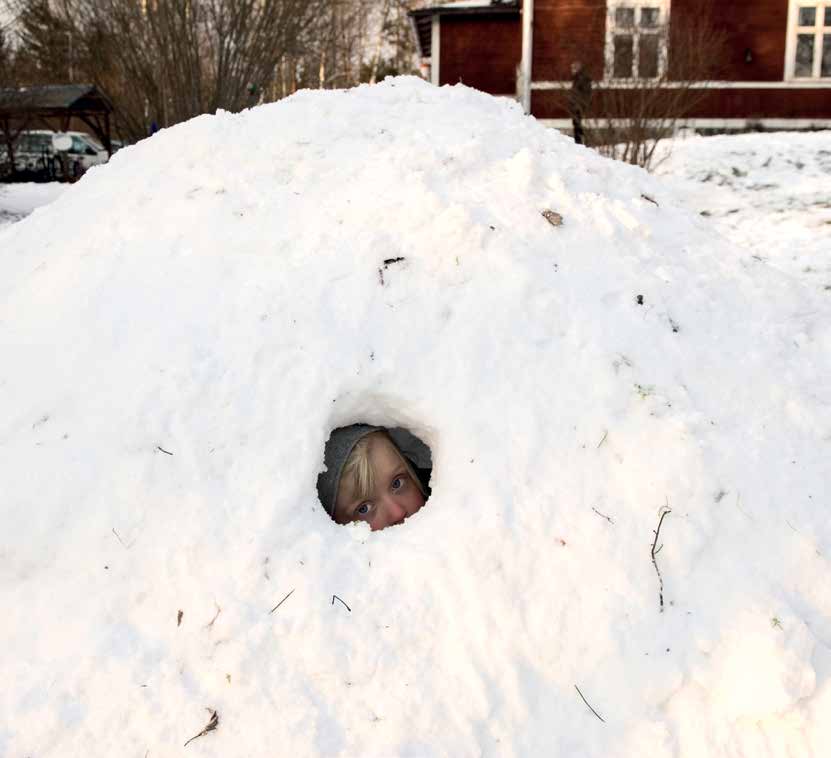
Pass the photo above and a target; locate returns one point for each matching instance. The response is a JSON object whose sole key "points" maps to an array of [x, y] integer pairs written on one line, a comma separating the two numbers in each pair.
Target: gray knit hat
{"points": [[340, 444]]}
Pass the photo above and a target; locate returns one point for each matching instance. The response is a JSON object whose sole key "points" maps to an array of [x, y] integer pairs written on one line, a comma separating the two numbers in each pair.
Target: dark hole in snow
{"points": [[379, 475]]}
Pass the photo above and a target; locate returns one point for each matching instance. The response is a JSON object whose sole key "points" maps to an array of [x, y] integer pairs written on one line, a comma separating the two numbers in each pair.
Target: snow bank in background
{"points": [[171, 371], [770, 193], [19, 200]]}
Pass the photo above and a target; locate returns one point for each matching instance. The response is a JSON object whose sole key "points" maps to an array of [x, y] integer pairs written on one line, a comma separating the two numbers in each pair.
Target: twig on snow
{"points": [[216, 616], [603, 515], [603, 439], [335, 597], [281, 602], [589, 706], [212, 724], [118, 537], [162, 450], [665, 511]]}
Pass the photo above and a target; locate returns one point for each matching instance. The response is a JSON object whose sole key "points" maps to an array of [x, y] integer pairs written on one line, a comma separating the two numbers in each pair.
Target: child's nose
{"points": [[395, 511]]}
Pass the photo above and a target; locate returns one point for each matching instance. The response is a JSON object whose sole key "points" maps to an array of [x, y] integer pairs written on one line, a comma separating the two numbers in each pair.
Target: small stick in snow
{"points": [[212, 724], [665, 511], [649, 199], [381, 276], [281, 602], [608, 518], [216, 616], [162, 450], [335, 597], [587, 703], [743, 511], [118, 537], [388, 261], [605, 434], [179, 618]]}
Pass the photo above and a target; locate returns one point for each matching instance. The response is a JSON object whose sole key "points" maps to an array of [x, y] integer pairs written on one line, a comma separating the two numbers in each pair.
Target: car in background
{"points": [[35, 155]]}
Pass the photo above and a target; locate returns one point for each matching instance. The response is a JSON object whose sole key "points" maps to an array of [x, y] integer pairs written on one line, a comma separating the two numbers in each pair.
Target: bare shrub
{"points": [[634, 115]]}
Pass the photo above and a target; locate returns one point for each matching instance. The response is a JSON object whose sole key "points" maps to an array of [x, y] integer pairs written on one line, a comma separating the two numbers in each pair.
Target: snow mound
{"points": [[182, 329]]}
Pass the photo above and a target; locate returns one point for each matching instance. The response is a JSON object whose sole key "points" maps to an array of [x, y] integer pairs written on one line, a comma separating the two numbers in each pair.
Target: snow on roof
{"points": [[182, 329]]}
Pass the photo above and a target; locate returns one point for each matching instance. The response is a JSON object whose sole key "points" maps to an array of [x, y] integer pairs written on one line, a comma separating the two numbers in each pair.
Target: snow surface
{"points": [[770, 193], [171, 371], [18, 200]]}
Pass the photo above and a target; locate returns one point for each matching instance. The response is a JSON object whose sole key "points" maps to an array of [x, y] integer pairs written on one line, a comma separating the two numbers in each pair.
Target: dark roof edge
{"points": [[446, 10]]}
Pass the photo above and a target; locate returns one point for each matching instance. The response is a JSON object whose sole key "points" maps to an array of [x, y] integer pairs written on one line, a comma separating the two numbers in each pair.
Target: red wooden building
{"points": [[775, 71]]}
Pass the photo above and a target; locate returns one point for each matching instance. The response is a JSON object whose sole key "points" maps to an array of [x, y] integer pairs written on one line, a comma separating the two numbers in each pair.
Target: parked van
{"points": [[35, 153]]}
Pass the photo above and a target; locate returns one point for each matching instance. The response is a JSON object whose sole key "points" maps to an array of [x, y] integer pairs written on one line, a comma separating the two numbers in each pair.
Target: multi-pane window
{"points": [[810, 43], [636, 39]]}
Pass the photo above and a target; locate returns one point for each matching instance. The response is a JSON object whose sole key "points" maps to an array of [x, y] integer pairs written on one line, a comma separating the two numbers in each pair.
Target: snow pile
{"points": [[172, 368]]}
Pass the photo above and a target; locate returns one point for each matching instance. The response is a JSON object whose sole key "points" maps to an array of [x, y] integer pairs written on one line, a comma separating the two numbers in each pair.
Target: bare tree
{"points": [[361, 41], [164, 61], [12, 99]]}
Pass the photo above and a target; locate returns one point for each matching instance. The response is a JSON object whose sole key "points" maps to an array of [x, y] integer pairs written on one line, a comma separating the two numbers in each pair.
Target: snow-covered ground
{"points": [[577, 344], [770, 193], [18, 200]]}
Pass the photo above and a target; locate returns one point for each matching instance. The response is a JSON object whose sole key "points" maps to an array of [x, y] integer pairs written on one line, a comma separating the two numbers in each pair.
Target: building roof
{"points": [[53, 97], [423, 17]]}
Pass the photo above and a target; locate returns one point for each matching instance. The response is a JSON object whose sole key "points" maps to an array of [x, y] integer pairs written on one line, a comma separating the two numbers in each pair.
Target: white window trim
{"points": [[663, 7], [793, 30]]}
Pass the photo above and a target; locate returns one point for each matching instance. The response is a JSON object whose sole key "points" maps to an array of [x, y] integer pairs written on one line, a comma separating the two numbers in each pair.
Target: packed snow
{"points": [[580, 348]]}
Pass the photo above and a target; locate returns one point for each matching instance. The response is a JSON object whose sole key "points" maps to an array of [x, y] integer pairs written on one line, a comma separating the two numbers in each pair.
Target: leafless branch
{"points": [[664, 512], [589, 706], [281, 602], [212, 724]]}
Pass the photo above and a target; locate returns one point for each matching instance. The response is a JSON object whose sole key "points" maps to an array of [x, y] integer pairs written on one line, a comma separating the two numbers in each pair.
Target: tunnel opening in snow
{"points": [[375, 474]]}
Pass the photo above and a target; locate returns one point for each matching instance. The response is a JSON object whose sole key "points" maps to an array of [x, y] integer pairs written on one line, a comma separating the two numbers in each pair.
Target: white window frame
{"points": [[663, 8], [794, 29]]}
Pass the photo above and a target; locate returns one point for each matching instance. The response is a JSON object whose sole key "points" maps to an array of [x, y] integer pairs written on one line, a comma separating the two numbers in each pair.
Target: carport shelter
{"points": [[54, 106]]}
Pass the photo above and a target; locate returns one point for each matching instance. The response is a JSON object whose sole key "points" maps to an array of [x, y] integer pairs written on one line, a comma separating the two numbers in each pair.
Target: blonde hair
{"points": [[358, 471]]}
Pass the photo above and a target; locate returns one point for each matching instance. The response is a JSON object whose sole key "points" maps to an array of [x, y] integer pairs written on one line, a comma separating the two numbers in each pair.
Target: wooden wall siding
{"points": [[725, 103], [566, 31], [756, 25], [481, 52], [759, 103], [484, 51]]}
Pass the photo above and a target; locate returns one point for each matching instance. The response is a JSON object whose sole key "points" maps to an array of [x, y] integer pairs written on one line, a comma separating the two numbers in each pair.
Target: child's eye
{"points": [[363, 509], [398, 482]]}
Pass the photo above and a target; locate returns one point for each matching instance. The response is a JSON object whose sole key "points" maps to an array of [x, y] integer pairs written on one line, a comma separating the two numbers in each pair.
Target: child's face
{"points": [[396, 495]]}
